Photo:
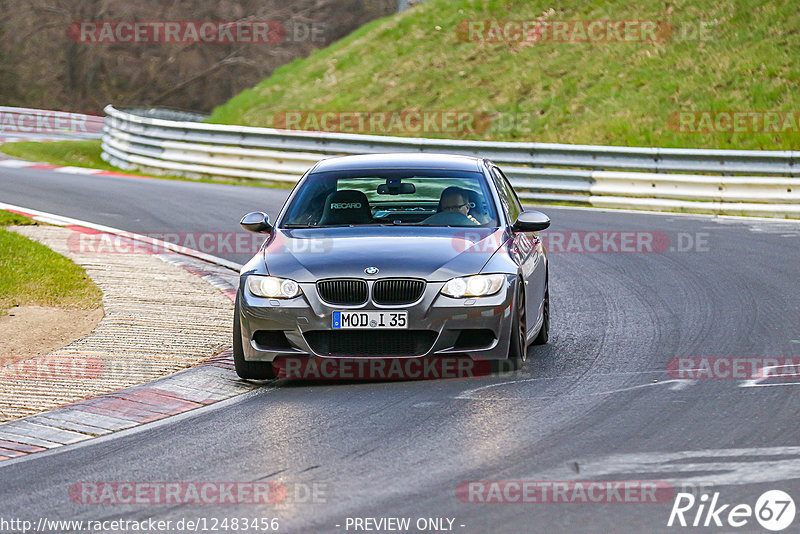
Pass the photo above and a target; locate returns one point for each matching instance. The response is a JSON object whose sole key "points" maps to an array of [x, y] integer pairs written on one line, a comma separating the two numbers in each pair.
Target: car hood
{"points": [[432, 253]]}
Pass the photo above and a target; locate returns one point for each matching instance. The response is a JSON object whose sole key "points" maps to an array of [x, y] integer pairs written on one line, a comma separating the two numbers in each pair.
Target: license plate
{"points": [[369, 320]]}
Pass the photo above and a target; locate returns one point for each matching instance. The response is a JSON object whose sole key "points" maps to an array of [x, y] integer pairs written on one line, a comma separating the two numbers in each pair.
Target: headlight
{"points": [[272, 287], [481, 285]]}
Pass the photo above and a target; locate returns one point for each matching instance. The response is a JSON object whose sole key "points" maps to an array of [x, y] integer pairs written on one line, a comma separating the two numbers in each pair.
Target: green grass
{"points": [[615, 93], [87, 154], [32, 274], [7, 219], [66, 153]]}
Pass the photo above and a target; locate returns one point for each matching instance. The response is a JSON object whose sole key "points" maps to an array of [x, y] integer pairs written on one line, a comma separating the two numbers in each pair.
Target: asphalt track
{"points": [[594, 404]]}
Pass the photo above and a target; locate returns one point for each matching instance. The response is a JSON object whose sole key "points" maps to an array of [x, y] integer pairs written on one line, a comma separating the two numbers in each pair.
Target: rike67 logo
{"points": [[774, 510]]}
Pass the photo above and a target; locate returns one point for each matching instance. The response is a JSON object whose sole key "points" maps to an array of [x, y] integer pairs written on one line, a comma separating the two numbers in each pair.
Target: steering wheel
{"points": [[449, 218]]}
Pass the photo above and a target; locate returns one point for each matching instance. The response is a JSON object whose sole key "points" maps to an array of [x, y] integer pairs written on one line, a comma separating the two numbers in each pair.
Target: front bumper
{"points": [[293, 325]]}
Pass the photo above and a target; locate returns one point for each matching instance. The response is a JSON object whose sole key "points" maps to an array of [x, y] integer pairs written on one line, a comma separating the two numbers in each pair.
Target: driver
{"points": [[454, 199]]}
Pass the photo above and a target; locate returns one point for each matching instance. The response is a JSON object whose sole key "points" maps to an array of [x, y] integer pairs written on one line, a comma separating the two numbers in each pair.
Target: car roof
{"points": [[408, 160]]}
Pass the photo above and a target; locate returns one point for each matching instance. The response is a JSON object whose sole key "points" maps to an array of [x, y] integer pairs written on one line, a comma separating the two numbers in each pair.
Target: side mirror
{"points": [[256, 221], [531, 221]]}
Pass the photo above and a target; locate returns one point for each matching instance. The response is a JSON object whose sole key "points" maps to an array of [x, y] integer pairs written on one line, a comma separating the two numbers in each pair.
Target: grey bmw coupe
{"points": [[394, 256]]}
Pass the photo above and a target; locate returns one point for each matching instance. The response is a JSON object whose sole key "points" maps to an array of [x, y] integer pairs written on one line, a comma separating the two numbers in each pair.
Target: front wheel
{"points": [[247, 370], [517, 346]]}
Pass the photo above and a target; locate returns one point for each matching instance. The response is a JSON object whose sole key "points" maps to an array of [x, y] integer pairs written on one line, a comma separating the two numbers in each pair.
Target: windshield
{"points": [[394, 197]]}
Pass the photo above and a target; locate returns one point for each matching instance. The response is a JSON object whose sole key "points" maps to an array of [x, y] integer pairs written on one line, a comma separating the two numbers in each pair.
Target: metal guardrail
{"points": [[39, 123], [708, 181], [168, 114]]}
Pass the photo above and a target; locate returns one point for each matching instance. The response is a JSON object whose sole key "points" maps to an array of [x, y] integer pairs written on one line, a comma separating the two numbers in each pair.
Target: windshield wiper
{"points": [[318, 226], [366, 225]]}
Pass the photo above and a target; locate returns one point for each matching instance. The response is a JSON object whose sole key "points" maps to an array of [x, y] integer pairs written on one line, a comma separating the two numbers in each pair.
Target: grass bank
{"points": [[715, 57], [32, 274]]}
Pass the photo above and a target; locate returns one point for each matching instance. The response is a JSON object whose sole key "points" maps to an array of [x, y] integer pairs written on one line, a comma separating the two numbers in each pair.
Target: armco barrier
{"points": [[737, 182]]}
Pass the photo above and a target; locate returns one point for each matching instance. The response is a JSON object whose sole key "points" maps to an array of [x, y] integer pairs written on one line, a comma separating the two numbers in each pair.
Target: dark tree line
{"points": [[42, 67]]}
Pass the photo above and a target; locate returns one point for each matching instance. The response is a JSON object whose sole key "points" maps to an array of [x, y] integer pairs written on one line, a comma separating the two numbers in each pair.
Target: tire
{"points": [[247, 370], [518, 346], [544, 331]]}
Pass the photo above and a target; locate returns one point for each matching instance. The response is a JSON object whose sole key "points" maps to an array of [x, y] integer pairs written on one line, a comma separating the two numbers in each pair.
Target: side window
{"points": [[516, 205], [508, 197], [501, 191]]}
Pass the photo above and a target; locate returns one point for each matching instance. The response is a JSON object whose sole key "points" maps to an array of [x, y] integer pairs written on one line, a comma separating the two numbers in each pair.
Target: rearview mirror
{"points": [[531, 221], [397, 188], [256, 221]]}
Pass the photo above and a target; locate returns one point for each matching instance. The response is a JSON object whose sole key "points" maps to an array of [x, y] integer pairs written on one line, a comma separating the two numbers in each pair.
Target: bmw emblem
{"points": [[371, 270]]}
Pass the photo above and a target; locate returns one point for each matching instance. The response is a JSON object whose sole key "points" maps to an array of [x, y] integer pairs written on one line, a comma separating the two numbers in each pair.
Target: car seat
{"points": [[347, 206]]}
